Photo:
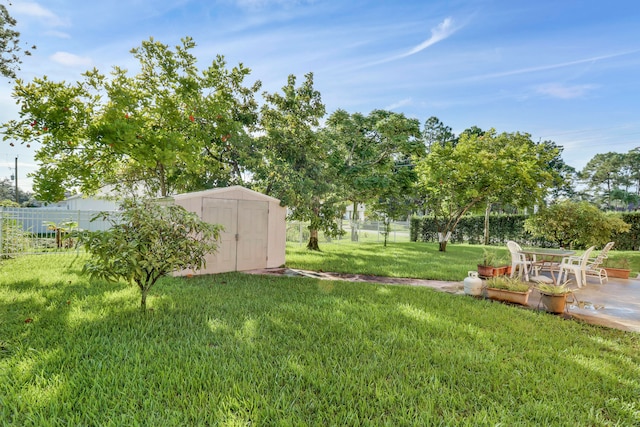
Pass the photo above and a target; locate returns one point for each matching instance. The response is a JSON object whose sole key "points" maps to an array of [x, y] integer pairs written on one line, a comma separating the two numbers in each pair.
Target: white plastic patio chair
{"points": [[593, 265], [576, 265], [519, 260]]}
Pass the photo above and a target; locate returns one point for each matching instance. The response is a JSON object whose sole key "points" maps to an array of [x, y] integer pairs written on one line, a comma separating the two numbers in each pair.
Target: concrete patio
{"points": [[614, 304]]}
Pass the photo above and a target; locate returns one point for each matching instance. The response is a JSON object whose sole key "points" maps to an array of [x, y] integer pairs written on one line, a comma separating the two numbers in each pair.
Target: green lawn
{"points": [[407, 259], [241, 350]]}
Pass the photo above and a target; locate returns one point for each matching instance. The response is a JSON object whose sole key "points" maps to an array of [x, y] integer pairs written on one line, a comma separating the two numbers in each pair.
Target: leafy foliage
{"points": [[571, 223], [9, 44], [483, 168], [169, 128], [369, 153], [629, 240], [614, 180], [295, 166], [148, 240]]}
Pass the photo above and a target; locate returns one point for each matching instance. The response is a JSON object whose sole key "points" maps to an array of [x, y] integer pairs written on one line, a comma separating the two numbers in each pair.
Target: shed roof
{"points": [[232, 193]]}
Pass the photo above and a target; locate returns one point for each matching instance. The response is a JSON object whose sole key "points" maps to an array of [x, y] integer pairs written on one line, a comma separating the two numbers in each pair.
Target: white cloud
{"points": [[34, 10], [442, 31], [550, 66], [557, 90], [71, 60], [401, 103]]}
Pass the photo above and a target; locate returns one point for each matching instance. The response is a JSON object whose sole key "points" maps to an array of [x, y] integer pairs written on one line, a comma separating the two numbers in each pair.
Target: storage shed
{"points": [[254, 224]]}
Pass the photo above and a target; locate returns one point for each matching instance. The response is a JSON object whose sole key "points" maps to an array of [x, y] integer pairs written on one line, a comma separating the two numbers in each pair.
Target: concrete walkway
{"points": [[615, 304]]}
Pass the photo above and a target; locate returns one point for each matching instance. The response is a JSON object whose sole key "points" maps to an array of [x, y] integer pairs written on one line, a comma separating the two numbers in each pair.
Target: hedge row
{"points": [[629, 241], [470, 229]]}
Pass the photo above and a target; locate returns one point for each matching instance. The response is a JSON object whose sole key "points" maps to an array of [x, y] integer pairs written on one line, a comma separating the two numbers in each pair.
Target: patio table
{"points": [[545, 258]]}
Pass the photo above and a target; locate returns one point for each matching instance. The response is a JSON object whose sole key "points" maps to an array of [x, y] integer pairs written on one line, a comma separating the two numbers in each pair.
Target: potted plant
{"points": [[485, 268], [553, 297], [618, 268], [503, 268], [509, 289]]}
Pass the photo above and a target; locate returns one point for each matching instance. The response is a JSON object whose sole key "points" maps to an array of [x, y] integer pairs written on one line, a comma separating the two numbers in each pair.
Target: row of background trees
{"points": [[172, 127]]}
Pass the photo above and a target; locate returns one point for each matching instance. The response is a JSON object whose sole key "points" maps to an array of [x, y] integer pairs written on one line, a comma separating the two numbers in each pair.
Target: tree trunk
{"points": [[58, 238], [354, 222], [387, 230], [313, 240], [443, 238], [486, 223], [163, 182], [143, 300]]}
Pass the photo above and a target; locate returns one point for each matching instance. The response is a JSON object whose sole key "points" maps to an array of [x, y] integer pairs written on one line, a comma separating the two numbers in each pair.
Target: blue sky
{"points": [[566, 71]]}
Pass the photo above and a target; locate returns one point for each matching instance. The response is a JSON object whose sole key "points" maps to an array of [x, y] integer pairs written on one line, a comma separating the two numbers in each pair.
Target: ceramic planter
{"points": [[553, 303], [500, 271], [619, 273], [514, 297], [485, 270]]}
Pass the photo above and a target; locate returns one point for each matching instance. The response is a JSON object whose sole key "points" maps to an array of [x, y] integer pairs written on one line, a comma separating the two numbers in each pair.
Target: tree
{"points": [[603, 174], [631, 170], [478, 169], [396, 201], [570, 223], [526, 163], [9, 44], [169, 128], [435, 132], [366, 152], [565, 176], [146, 241], [295, 153], [8, 191]]}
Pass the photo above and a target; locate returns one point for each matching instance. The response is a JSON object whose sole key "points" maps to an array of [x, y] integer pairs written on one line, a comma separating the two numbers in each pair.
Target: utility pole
{"points": [[17, 180]]}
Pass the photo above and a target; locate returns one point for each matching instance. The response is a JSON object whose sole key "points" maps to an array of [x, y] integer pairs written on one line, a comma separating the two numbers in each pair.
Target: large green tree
{"points": [[366, 152], [166, 129], [480, 168], [295, 154], [603, 174]]}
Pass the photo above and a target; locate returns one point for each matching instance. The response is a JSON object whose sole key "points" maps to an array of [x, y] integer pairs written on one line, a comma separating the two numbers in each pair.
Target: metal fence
{"points": [[25, 231], [33, 231], [365, 231]]}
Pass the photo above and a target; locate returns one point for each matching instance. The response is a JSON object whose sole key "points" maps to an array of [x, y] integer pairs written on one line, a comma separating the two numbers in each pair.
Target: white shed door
{"points": [[225, 213], [253, 218], [243, 243]]}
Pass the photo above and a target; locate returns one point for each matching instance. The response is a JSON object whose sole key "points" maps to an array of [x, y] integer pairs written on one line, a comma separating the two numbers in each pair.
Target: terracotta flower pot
{"points": [[485, 270], [553, 303], [500, 271], [514, 297], [619, 273]]}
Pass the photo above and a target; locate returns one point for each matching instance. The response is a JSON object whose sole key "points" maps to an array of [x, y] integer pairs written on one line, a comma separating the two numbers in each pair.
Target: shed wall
{"points": [[275, 223]]}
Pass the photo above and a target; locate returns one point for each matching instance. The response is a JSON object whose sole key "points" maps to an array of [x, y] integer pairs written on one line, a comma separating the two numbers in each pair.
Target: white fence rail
{"points": [[33, 231]]}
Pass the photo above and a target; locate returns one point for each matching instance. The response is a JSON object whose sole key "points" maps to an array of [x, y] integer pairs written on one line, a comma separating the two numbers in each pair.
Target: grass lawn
{"points": [[407, 259], [238, 350]]}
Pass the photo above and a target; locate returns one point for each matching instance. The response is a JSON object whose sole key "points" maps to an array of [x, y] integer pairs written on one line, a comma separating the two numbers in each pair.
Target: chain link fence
{"points": [[360, 231]]}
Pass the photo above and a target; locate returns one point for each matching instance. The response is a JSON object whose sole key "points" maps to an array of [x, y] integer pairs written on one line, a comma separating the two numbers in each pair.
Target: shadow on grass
{"points": [[244, 348]]}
